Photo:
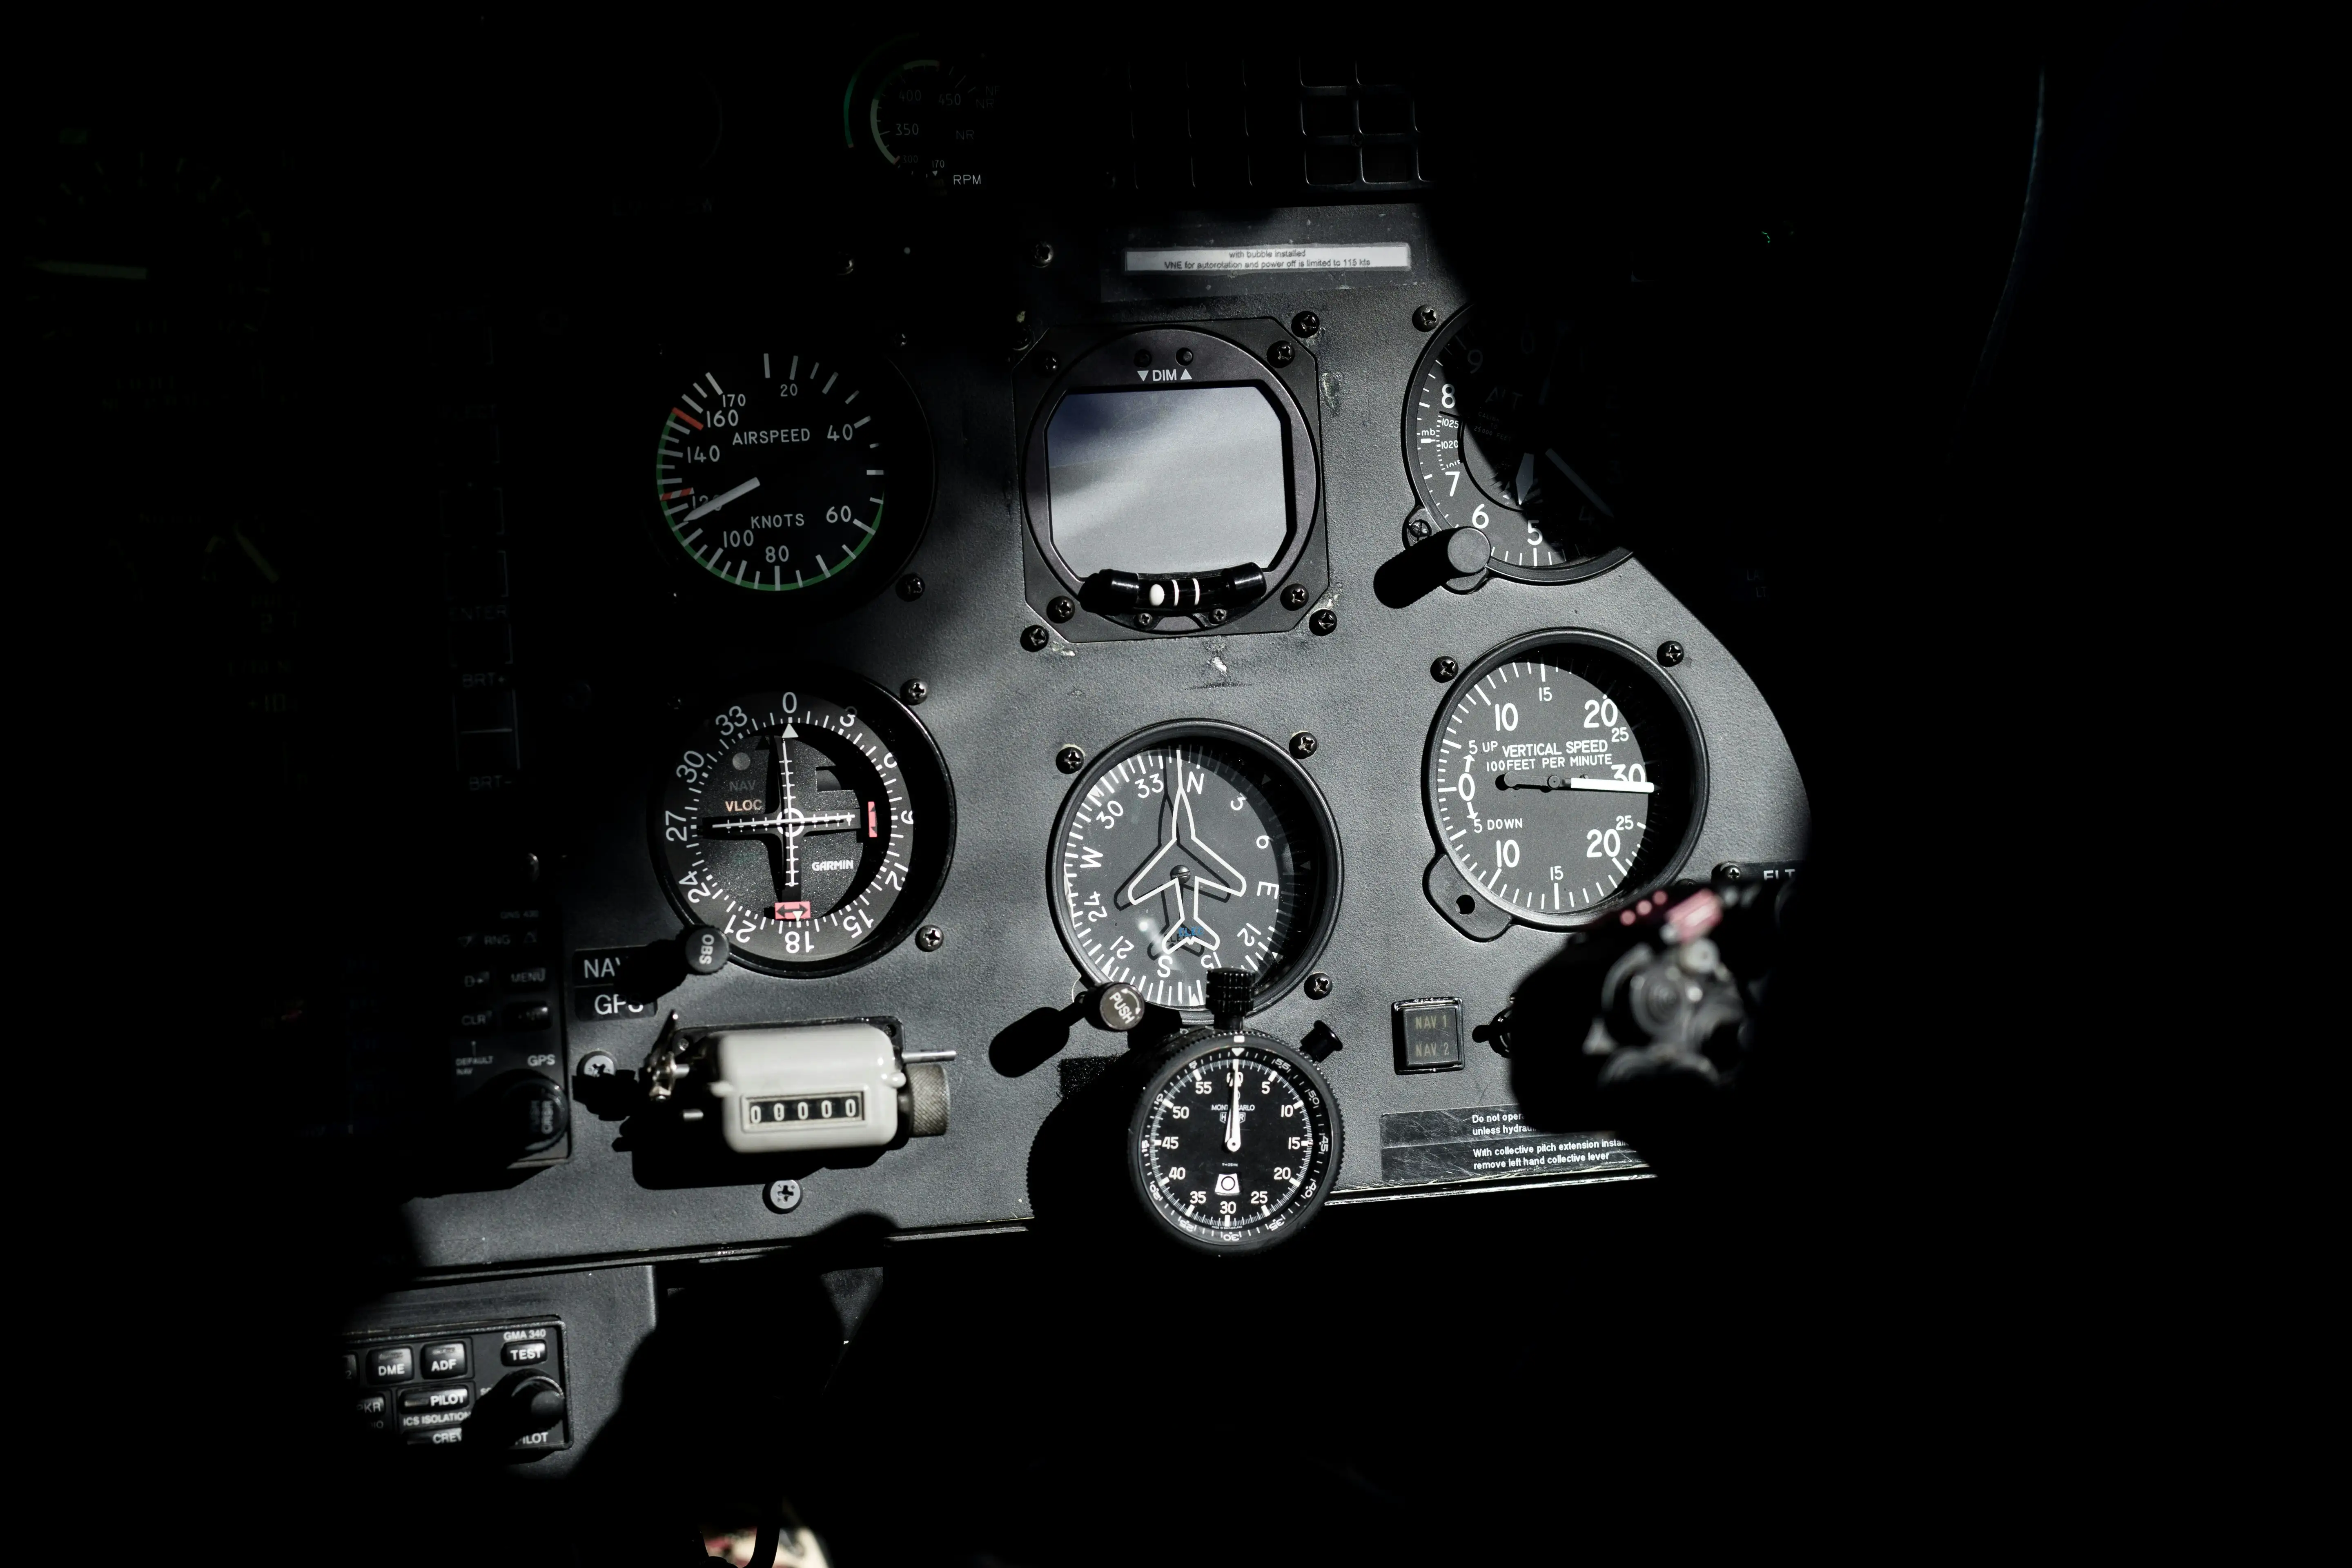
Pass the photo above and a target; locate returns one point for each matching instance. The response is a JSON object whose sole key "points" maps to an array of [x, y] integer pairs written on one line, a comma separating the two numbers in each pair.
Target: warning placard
{"points": [[1484, 1142]]}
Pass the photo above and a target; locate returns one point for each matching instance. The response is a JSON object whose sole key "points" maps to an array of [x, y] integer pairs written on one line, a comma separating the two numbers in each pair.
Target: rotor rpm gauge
{"points": [[1565, 775], [1193, 846], [813, 825], [792, 472], [1515, 427], [934, 121]]}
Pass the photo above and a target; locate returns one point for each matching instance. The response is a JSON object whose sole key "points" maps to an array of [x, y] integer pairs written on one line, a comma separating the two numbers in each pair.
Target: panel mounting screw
{"points": [[1323, 623], [930, 938], [1049, 365], [1145, 619], [1426, 318], [1070, 759], [1443, 669], [911, 588], [914, 691], [1418, 527], [1670, 654], [1218, 615], [1295, 596], [1041, 254], [1318, 986], [844, 265], [1302, 745], [1306, 324], [1282, 353], [783, 1195], [1063, 607], [1036, 638]]}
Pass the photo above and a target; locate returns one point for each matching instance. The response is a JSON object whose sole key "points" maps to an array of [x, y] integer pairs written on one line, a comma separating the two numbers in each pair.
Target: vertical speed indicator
{"points": [[1564, 775]]}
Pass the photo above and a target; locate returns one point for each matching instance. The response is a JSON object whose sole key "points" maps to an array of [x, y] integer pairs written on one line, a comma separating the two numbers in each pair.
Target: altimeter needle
{"points": [[1551, 455], [723, 497]]}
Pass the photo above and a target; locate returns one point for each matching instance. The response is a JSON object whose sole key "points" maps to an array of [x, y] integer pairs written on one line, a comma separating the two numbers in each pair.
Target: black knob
{"points": [[1229, 997], [705, 949], [527, 1114], [523, 1403], [539, 1404]]}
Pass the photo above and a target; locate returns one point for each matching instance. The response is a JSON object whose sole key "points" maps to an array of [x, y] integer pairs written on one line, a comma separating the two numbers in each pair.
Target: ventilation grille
{"points": [[1256, 127]]}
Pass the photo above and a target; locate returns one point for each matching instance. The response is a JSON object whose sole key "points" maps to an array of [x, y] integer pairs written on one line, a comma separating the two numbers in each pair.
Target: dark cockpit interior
{"points": [[987, 793]]}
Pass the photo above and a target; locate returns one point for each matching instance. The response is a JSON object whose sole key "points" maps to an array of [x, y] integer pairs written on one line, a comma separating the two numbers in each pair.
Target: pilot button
{"points": [[450, 1397], [448, 1359], [394, 1363]]}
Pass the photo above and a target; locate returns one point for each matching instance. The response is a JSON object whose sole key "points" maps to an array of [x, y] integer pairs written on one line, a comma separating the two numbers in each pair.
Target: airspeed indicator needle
{"points": [[723, 497]]}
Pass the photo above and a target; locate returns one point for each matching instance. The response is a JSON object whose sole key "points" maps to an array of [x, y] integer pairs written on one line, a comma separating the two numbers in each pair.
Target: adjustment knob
{"points": [[704, 948], [524, 1403], [526, 1114], [1115, 1006], [1229, 997], [1467, 550]]}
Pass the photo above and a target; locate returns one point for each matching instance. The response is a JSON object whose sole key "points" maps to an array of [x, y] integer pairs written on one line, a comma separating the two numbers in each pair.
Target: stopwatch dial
{"points": [[793, 824], [1563, 778], [1192, 848], [1235, 1141], [784, 472], [1514, 426]]}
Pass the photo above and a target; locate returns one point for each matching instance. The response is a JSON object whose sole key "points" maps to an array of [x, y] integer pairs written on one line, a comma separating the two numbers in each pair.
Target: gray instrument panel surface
{"points": [[1000, 712]]}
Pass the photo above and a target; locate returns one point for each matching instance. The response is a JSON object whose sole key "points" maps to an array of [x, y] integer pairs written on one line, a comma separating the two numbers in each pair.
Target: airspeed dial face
{"points": [[1189, 848], [1563, 776], [780, 471]]}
